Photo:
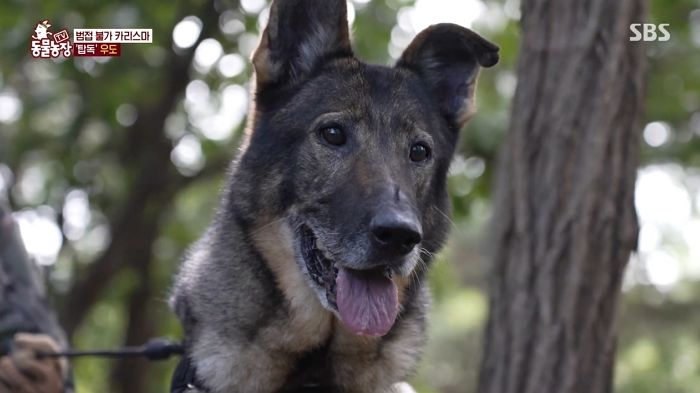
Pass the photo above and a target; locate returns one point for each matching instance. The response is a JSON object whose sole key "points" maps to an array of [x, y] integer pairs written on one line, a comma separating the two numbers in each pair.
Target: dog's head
{"points": [[355, 156]]}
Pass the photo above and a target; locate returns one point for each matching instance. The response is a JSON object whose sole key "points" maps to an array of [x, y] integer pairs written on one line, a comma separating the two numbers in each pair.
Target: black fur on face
{"points": [[336, 143]]}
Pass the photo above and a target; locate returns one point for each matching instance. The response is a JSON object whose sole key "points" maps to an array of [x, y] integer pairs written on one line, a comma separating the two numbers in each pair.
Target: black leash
{"points": [[184, 378], [154, 349]]}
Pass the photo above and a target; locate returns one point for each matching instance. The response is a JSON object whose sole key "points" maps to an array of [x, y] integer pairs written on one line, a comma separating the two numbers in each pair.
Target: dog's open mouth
{"points": [[321, 269], [366, 301]]}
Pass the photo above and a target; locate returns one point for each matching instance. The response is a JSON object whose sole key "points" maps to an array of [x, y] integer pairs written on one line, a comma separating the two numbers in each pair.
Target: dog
{"points": [[312, 273]]}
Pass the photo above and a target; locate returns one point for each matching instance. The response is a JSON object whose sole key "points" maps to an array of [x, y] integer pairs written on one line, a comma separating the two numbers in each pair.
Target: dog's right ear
{"points": [[299, 36]]}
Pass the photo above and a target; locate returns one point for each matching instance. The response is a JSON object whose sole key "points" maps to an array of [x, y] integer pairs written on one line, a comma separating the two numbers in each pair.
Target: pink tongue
{"points": [[367, 301]]}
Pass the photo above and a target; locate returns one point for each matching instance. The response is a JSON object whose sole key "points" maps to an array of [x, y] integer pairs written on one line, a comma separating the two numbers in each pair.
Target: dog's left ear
{"points": [[447, 57], [299, 36]]}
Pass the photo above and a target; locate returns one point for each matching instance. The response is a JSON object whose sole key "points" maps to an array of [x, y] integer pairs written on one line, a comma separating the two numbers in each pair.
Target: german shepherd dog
{"points": [[312, 273]]}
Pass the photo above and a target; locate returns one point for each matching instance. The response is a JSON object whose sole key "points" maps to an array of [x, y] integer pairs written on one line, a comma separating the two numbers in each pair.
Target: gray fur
{"points": [[254, 319]]}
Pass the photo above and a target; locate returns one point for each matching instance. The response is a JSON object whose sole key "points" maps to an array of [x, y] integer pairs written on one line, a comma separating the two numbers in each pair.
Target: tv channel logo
{"points": [[650, 32]]}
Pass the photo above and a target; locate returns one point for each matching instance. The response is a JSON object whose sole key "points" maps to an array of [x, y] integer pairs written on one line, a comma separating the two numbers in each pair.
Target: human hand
{"points": [[22, 372]]}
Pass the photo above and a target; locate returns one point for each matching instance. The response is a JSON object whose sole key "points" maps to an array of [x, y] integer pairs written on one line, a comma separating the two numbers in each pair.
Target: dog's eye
{"points": [[334, 135], [419, 152]]}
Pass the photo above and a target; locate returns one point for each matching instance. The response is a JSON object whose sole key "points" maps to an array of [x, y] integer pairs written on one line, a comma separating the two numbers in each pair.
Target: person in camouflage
{"points": [[27, 323]]}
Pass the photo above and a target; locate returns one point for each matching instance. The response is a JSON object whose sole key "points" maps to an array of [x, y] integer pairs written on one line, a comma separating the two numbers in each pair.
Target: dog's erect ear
{"points": [[299, 36], [447, 57]]}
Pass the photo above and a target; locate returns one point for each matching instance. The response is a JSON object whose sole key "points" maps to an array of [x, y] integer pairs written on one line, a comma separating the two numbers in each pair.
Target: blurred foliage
{"points": [[75, 131]]}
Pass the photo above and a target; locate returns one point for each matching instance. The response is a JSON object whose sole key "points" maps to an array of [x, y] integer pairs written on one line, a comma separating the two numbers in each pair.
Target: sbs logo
{"points": [[648, 32]]}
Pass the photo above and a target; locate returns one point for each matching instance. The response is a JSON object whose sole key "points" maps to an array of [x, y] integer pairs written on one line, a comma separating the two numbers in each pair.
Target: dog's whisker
{"points": [[266, 226], [425, 251], [453, 224]]}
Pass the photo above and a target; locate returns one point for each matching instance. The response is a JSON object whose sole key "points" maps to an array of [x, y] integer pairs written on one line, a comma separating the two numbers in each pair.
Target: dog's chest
{"points": [[344, 361]]}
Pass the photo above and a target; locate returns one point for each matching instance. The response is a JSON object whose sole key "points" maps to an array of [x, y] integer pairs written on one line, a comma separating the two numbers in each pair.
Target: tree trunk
{"points": [[564, 219], [131, 375]]}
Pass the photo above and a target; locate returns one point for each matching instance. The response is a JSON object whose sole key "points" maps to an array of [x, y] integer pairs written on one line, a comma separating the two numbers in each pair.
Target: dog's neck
{"points": [[274, 242]]}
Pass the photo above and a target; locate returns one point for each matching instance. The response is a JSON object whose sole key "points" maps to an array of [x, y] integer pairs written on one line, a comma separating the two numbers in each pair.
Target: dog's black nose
{"points": [[395, 233]]}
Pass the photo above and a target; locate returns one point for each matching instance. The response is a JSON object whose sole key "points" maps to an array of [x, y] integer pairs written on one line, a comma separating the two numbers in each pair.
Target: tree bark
{"points": [[564, 220]]}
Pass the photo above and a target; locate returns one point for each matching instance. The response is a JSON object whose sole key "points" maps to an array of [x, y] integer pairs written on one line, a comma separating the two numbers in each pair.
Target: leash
{"points": [[154, 350], [184, 379]]}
